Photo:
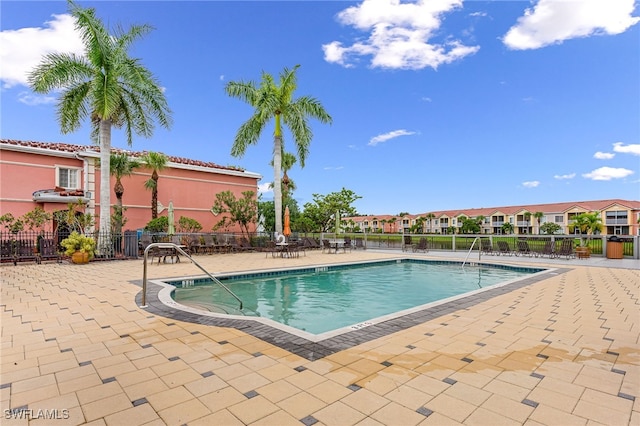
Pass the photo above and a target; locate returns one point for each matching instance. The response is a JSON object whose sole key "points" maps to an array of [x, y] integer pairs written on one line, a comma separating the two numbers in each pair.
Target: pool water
{"points": [[319, 300]]}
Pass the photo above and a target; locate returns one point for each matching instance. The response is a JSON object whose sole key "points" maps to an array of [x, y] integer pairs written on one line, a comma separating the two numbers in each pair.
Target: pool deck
{"points": [[77, 346]]}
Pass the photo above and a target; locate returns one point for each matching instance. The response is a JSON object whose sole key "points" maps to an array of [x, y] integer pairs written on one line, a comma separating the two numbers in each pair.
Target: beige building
{"points": [[619, 217]]}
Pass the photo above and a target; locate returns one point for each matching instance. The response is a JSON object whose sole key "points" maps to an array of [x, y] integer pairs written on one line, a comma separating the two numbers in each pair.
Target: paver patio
{"points": [[77, 349]]}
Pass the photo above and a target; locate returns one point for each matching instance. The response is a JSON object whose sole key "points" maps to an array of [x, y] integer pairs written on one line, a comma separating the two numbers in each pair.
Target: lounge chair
{"points": [[523, 249], [360, 244], [326, 245], [347, 244], [566, 249], [270, 247], [421, 246], [209, 245], [504, 248], [486, 247], [48, 250]]}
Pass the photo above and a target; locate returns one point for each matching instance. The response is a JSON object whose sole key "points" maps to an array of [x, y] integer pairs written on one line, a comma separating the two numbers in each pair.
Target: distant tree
{"points": [[267, 213], [588, 224], [550, 228], [418, 226], [159, 224], [156, 161], [507, 228], [120, 165], [430, 217], [188, 225], [538, 216], [322, 211], [469, 226], [242, 211], [275, 101]]}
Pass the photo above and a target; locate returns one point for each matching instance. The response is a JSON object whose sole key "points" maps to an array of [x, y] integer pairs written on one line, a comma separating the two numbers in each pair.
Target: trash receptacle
{"points": [[614, 247]]}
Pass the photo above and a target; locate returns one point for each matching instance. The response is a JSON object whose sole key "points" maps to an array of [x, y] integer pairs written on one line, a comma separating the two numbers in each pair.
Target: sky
{"points": [[435, 104]]}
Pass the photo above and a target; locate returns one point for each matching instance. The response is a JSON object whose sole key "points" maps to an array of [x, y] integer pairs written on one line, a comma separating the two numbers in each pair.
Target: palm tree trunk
{"points": [[105, 186], [154, 196], [277, 181]]}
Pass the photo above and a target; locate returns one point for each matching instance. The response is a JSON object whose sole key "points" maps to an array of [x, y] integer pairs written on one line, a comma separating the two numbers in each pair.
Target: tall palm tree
{"points": [[106, 86], [156, 161], [275, 101], [288, 185], [121, 165], [538, 216], [430, 217]]}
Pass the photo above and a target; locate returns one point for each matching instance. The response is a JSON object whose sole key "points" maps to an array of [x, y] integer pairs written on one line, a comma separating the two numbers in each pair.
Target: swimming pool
{"points": [[342, 297]]}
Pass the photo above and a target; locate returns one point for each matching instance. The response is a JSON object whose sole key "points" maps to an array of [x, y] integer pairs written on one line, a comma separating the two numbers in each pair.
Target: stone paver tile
{"points": [[79, 383], [222, 417], [250, 410], [222, 398], [305, 379], [140, 415], [408, 396], [104, 407], [561, 386], [33, 383], [141, 390], [482, 417], [467, 393], [101, 391], [277, 372], [437, 419], [365, 401], [366, 366], [136, 376], [508, 390], [508, 407], [301, 405], [228, 372], [248, 382], [277, 391], [345, 376], [205, 385], [329, 391], [180, 377], [523, 379], [451, 407], [72, 416], [280, 418], [600, 406], [338, 413], [428, 384], [168, 367], [394, 413], [34, 395], [184, 412], [114, 370], [549, 397], [552, 416], [168, 398]]}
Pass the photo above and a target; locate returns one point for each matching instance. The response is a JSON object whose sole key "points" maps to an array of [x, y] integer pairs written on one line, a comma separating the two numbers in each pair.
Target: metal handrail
{"points": [[176, 247], [471, 248]]}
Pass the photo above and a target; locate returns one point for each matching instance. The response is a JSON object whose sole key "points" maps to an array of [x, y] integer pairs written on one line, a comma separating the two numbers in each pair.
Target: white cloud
{"points": [[480, 14], [24, 48], [334, 168], [531, 184], [603, 155], [222, 77], [426, 99], [553, 21], [264, 188], [398, 35], [31, 99], [633, 149], [386, 136], [563, 177], [608, 173]]}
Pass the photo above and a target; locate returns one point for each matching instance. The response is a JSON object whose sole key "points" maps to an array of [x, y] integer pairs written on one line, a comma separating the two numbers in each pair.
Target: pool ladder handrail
{"points": [[182, 252], [471, 248]]}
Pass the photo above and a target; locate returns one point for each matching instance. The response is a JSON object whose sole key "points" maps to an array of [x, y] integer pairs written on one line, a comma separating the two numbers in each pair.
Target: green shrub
{"points": [[79, 242], [159, 224]]}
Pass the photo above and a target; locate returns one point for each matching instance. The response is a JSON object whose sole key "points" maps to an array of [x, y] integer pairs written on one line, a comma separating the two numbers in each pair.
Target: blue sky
{"points": [[436, 105]]}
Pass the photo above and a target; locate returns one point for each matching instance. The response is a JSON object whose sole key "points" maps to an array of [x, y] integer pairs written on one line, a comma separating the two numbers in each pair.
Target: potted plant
{"points": [[587, 224], [80, 247]]}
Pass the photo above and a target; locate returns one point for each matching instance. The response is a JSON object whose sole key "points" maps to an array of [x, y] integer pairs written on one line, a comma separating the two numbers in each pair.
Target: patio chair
{"points": [[359, 244], [326, 245], [406, 243], [48, 250], [421, 246], [270, 247], [486, 247], [566, 249], [523, 249], [504, 248], [209, 245], [347, 244]]}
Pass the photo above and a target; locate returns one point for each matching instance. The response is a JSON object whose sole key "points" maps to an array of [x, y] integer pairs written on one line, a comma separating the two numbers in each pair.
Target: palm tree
{"points": [[156, 161], [106, 86], [288, 185], [587, 224], [538, 216], [121, 165], [430, 217], [275, 101]]}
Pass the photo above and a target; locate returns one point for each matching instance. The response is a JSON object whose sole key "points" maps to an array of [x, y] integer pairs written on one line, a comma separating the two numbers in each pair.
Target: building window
{"points": [[617, 217], [68, 178], [558, 219]]}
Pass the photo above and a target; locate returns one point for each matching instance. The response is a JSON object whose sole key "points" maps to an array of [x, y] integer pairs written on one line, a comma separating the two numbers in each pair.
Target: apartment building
{"points": [[619, 217], [52, 175]]}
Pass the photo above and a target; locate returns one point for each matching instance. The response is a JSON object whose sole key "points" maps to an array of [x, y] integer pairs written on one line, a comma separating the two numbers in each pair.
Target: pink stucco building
{"points": [[30, 171]]}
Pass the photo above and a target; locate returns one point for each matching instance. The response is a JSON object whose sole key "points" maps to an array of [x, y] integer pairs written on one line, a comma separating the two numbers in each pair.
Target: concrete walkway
{"points": [[77, 349]]}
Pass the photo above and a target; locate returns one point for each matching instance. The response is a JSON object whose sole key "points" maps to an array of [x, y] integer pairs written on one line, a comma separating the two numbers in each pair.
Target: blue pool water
{"points": [[318, 300]]}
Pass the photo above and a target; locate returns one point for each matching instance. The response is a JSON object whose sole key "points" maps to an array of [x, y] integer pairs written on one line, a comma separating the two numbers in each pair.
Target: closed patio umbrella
{"points": [[287, 225], [171, 230]]}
